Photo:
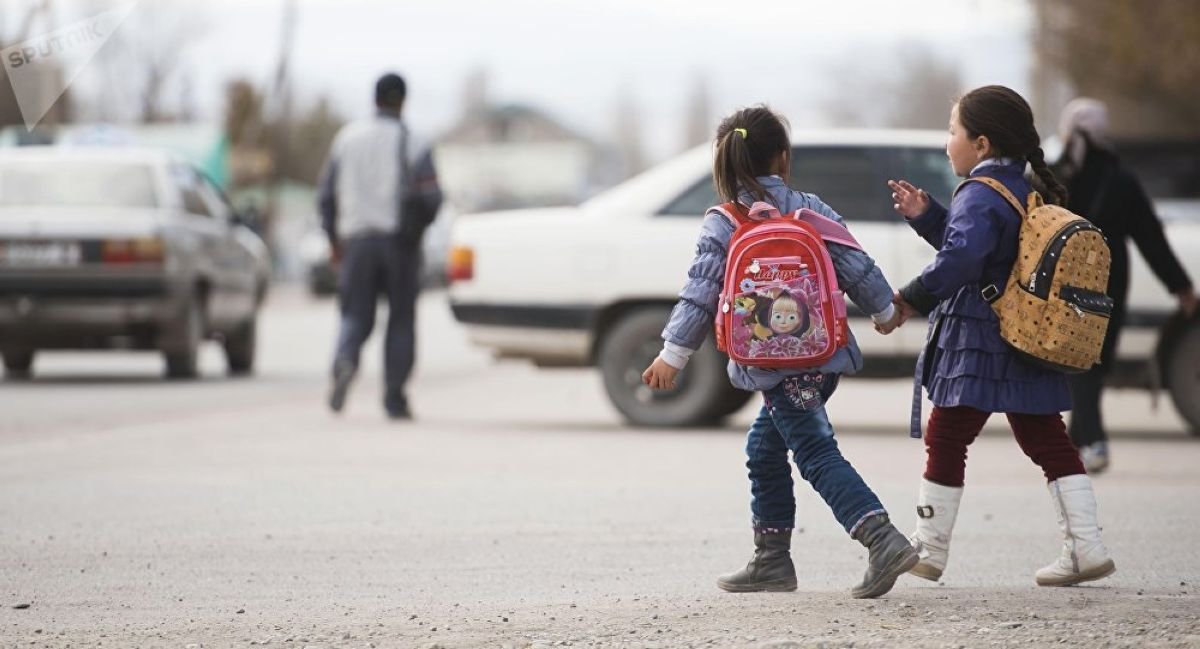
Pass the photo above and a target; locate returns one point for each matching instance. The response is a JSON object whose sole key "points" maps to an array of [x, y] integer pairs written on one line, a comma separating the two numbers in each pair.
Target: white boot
{"points": [[1084, 557], [1094, 457], [935, 521]]}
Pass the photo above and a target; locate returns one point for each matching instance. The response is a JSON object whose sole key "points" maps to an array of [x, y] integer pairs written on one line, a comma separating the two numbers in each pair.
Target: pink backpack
{"points": [[780, 306]]}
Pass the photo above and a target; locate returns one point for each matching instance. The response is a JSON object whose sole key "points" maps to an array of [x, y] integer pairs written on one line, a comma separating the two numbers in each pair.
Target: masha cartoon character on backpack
{"points": [[782, 315]]}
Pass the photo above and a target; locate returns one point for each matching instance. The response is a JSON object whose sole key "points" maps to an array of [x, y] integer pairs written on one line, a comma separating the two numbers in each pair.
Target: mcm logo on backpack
{"points": [[1053, 310], [780, 306]]}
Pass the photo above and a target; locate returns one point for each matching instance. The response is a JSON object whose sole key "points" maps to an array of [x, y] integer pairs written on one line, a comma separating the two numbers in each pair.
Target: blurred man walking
{"points": [[377, 194], [1108, 195]]}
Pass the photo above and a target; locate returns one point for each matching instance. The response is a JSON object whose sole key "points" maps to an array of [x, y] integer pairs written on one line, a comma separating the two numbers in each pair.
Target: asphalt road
{"points": [[518, 511]]}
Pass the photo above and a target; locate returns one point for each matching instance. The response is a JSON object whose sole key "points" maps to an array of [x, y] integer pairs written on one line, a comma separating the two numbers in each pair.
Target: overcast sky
{"points": [[573, 58]]}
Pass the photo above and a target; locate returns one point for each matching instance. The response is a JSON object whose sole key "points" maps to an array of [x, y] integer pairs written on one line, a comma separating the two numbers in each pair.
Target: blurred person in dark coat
{"points": [[1103, 191]]}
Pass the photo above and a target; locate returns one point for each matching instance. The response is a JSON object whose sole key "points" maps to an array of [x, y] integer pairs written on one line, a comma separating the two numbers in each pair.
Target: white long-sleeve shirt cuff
{"points": [[885, 315], [676, 356]]}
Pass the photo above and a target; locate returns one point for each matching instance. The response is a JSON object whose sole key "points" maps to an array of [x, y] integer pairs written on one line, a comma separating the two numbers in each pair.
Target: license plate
{"points": [[55, 253]]}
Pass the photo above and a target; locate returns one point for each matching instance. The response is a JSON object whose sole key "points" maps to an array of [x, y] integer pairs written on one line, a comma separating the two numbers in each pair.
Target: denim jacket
{"points": [[694, 313]]}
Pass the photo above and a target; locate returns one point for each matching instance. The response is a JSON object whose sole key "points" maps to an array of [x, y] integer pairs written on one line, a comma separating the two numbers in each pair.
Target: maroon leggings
{"points": [[1043, 438]]}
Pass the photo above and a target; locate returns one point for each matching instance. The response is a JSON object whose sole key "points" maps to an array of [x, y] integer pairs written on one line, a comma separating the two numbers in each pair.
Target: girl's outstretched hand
{"points": [[660, 375], [908, 200], [888, 327]]}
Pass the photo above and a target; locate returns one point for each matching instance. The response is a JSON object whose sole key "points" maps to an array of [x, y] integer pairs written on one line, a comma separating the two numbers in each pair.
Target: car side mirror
{"points": [[248, 218]]}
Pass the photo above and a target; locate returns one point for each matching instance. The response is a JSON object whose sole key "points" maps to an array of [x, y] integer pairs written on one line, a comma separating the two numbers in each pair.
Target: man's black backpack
{"points": [[418, 209]]}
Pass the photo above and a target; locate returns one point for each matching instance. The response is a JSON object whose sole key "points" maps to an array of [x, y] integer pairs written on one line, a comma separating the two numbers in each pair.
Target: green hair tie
{"points": [[741, 132]]}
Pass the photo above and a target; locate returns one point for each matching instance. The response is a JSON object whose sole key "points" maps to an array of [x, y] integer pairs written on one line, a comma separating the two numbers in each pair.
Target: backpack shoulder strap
{"points": [[999, 188], [830, 230], [733, 211]]}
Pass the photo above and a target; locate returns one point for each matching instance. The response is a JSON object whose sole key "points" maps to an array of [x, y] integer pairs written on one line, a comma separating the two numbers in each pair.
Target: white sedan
{"points": [[592, 285]]}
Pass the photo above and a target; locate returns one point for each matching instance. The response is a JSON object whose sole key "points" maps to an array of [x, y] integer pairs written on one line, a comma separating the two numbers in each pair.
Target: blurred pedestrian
{"points": [[967, 368], [752, 160], [378, 192], [1108, 195]]}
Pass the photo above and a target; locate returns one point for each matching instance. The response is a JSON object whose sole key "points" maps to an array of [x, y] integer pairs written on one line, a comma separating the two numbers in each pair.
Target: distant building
{"points": [[508, 156]]}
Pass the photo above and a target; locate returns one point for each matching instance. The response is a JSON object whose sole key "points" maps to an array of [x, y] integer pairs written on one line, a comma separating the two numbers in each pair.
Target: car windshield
{"points": [[1168, 170], [927, 168], [76, 183], [653, 187]]}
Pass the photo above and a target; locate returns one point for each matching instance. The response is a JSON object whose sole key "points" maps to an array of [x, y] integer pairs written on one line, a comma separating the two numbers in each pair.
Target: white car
{"points": [[593, 285]]}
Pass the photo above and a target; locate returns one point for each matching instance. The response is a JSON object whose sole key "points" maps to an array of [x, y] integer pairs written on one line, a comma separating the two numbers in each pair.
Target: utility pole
{"points": [[628, 132], [279, 110], [698, 126]]}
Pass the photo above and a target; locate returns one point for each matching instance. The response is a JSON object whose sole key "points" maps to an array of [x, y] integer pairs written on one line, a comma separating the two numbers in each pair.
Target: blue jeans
{"points": [[373, 265], [793, 418]]}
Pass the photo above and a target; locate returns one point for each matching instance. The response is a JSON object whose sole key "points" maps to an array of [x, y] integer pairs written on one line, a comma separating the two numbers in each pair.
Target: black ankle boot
{"points": [[889, 556], [343, 374], [771, 568]]}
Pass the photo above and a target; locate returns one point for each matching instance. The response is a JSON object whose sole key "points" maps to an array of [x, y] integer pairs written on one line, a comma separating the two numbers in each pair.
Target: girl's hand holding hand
{"points": [[905, 309], [908, 200], [660, 375], [888, 327]]}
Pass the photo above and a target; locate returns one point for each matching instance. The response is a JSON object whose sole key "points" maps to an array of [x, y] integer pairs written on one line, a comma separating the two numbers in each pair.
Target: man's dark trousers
{"points": [[373, 264]]}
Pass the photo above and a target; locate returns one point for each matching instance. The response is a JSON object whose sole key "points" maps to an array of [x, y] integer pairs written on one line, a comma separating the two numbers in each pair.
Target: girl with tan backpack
{"points": [[968, 367]]}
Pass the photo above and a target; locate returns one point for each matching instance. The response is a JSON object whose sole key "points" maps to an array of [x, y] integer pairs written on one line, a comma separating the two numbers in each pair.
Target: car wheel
{"points": [[1183, 375], [630, 346], [18, 364], [183, 358], [733, 400], [240, 347]]}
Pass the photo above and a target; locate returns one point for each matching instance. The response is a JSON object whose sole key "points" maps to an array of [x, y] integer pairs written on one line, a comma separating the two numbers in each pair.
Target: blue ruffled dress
{"points": [[966, 362]]}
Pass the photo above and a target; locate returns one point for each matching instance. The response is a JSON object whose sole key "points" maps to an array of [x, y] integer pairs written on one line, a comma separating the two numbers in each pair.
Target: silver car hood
{"points": [[80, 222]]}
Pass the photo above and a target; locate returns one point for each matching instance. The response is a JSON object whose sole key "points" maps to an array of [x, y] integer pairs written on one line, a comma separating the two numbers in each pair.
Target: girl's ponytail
{"points": [[1056, 193], [747, 144], [733, 168]]}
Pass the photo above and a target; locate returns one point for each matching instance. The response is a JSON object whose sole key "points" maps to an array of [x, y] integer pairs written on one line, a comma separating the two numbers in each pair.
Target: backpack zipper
{"points": [[739, 263], [757, 263], [1085, 301]]}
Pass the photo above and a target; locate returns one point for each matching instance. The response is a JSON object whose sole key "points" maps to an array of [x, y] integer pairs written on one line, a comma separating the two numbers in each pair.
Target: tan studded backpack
{"points": [[1053, 310]]}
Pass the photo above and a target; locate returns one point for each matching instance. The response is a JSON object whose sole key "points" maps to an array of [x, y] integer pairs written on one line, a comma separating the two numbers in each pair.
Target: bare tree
{"points": [[475, 93], [144, 63], [698, 126], [249, 159], [254, 138], [27, 17], [309, 135], [1141, 57], [628, 136], [243, 114], [916, 91], [922, 97], [279, 104]]}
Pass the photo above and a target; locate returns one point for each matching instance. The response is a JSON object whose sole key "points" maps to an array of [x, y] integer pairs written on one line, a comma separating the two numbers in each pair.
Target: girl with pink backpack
{"points": [[769, 269]]}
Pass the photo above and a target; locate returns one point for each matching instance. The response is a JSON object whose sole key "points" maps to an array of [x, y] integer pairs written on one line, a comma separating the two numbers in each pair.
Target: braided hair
{"points": [[1004, 117]]}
